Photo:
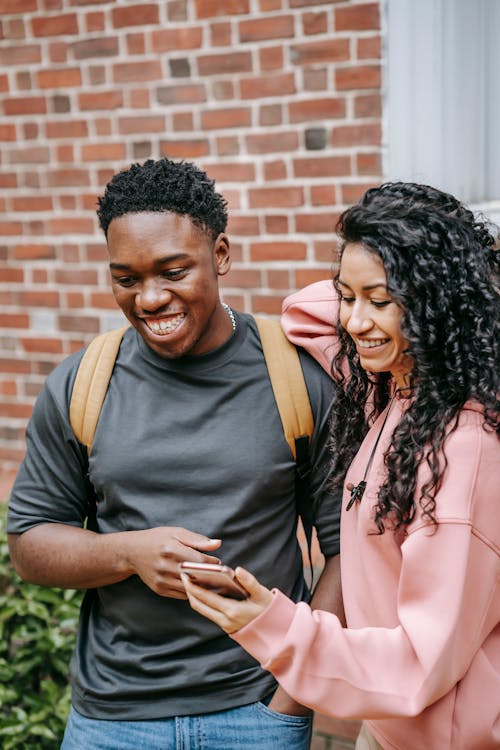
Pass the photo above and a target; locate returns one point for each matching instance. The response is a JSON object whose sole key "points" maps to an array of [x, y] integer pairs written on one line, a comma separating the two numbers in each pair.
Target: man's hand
{"points": [[283, 704], [155, 554]]}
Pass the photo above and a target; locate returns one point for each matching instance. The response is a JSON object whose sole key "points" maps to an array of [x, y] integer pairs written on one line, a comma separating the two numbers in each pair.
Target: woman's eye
{"points": [[347, 300], [381, 303]]}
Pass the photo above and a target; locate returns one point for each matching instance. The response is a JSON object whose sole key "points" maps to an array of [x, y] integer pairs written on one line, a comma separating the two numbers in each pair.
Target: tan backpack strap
{"points": [[91, 384], [287, 380]]}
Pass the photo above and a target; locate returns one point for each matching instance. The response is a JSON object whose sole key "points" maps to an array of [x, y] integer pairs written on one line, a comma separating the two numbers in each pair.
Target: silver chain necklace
{"points": [[231, 315]]}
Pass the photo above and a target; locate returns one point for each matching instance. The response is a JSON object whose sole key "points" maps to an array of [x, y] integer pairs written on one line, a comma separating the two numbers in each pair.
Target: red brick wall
{"points": [[279, 100]]}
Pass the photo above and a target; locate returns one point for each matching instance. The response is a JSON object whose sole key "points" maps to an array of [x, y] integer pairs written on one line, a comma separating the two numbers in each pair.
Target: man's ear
{"points": [[222, 255]]}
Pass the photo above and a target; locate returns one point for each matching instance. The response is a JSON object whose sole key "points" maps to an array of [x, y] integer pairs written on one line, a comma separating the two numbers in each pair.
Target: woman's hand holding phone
{"points": [[230, 614]]}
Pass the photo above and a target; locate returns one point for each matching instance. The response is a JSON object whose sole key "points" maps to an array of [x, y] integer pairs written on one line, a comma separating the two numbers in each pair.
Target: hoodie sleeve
{"points": [[309, 318]]}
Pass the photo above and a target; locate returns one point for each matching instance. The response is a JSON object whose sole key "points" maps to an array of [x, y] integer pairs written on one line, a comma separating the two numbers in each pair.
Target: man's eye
{"points": [[381, 303], [174, 273], [125, 280]]}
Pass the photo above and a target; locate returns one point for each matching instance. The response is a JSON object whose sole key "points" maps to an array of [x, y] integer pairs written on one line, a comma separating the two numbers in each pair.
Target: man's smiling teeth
{"points": [[165, 325], [371, 343]]}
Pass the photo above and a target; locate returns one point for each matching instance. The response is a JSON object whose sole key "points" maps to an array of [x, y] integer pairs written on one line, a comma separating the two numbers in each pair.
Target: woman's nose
{"points": [[359, 320]]}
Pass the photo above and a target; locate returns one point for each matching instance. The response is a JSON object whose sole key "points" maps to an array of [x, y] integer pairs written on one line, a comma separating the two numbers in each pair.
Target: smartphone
{"points": [[218, 578]]}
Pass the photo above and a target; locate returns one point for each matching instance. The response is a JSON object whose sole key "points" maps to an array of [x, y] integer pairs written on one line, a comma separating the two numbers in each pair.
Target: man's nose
{"points": [[153, 295]]}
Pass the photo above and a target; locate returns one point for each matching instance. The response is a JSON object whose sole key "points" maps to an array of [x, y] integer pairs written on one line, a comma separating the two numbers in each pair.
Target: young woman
{"points": [[415, 445]]}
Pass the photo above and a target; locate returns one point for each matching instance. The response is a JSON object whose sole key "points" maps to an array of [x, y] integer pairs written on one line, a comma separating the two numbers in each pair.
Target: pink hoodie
{"points": [[420, 660]]}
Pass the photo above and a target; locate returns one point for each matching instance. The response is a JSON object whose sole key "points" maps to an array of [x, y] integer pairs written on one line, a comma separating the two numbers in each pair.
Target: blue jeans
{"points": [[252, 727]]}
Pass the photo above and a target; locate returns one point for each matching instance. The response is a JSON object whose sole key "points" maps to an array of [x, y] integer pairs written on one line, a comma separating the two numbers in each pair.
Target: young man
{"points": [[189, 462]]}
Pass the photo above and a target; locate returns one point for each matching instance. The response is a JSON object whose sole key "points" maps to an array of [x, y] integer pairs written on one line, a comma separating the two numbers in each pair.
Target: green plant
{"points": [[37, 636]]}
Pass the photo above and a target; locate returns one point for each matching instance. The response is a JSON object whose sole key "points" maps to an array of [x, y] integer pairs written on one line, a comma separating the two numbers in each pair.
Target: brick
{"points": [[20, 54], [231, 172], [326, 251], [285, 250], [68, 178], [80, 277], [135, 15], [33, 252], [278, 279], [173, 40], [136, 44], [60, 103], [210, 8], [352, 193], [8, 387], [30, 130], [103, 152], [306, 276], [369, 47], [323, 195], [369, 164], [358, 77], [74, 300], [81, 323], [102, 301], [284, 197], [315, 79], [368, 105], [179, 68], [183, 94], [64, 78], [7, 132], [10, 228], [270, 85], [230, 62], [220, 34], [181, 149], [11, 275], [33, 203], [39, 298], [315, 23], [139, 98], [19, 6], [243, 225], [95, 22], [222, 90], [15, 320], [66, 129], [48, 345], [103, 100], [65, 153], [277, 224], [29, 155], [226, 118], [368, 134], [55, 25], [317, 223], [270, 114], [271, 58], [244, 278], [271, 27], [99, 47], [177, 10], [330, 166], [97, 75], [182, 121], [269, 305], [58, 52], [147, 70], [267, 5], [73, 225], [143, 124], [227, 145], [15, 410], [312, 53], [275, 170], [34, 105], [272, 142], [102, 126], [317, 109], [361, 17]]}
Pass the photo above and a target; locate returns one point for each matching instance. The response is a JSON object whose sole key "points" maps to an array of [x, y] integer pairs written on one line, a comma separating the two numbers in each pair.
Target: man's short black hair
{"points": [[164, 185]]}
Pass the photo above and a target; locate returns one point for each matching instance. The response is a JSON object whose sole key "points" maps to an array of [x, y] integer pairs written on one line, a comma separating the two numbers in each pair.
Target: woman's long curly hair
{"points": [[442, 269]]}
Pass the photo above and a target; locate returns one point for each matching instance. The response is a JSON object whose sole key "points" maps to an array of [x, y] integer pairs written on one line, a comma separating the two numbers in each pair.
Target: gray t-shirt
{"points": [[194, 442]]}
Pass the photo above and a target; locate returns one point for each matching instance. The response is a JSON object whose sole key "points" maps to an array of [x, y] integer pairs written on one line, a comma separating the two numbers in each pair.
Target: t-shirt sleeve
{"points": [[326, 503], [51, 484]]}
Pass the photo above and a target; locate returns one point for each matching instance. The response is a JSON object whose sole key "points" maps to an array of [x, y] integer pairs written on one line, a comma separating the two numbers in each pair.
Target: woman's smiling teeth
{"points": [[370, 343], [161, 326]]}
